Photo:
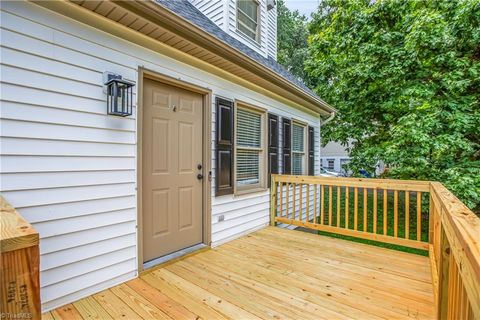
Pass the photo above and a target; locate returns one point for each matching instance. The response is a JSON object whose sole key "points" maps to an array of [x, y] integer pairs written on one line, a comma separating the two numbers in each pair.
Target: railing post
{"points": [[273, 201], [19, 266]]}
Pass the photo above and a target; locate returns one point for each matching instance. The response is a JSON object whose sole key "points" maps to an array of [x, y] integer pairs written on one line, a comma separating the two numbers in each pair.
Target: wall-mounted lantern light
{"points": [[119, 95], [271, 4]]}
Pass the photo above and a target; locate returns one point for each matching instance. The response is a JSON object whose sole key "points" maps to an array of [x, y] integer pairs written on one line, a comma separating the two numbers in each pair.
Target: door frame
{"points": [[206, 158]]}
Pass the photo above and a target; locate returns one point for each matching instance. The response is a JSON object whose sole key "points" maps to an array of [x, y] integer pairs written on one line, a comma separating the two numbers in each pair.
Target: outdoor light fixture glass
{"points": [[119, 96]]}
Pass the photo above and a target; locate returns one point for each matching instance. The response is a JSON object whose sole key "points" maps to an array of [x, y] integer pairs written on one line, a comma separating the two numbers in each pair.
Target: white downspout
{"points": [[330, 118]]}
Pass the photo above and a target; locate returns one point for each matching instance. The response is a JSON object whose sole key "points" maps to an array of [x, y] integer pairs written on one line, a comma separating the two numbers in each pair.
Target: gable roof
{"points": [[188, 11], [177, 29]]}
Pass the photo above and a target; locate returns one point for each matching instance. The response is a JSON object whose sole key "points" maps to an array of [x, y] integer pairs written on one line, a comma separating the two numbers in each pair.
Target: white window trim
{"points": [[257, 33], [305, 146], [262, 185]]}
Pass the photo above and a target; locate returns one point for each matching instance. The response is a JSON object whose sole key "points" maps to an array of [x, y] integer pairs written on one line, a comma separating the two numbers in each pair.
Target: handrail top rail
{"points": [[391, 184], [465, 224], [15, 232]]}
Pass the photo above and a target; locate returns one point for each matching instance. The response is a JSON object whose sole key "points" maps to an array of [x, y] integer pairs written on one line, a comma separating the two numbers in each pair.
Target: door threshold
{"points": [[174, 255]]}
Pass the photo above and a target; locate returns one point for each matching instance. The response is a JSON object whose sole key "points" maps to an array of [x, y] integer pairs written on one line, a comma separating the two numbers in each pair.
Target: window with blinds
{"points": [[298, 149], [249, 148], [247, 18]]}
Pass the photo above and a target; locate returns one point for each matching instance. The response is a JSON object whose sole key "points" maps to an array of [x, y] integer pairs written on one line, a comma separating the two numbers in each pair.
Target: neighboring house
{"points": [[334, 156], [213, 115]]}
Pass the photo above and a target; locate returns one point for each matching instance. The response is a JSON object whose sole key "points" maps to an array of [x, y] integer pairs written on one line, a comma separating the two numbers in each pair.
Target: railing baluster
{"points": [[322, 204], [294, 207], [375, 210], [346, 207], [338, 206], [419, 216], [280, 191], [287, 200], [395, 213], [459, 297], [468, 314], [407, 215], [365, 208], [294, 201], [330, 205], [315, 204], [463, 300], [300, 210], [385, 211], [451, 290], [355, 208], [307, 206]]}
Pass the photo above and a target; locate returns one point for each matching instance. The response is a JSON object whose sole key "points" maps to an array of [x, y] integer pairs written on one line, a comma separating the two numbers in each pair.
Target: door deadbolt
{"points": [[199, 167]]}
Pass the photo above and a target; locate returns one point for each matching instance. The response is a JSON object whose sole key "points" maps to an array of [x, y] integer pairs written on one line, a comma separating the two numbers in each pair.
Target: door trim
{"points": [[207, 153]]}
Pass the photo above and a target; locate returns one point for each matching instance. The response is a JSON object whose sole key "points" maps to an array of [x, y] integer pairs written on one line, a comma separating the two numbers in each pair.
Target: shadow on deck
{"points": [[272, 273]]}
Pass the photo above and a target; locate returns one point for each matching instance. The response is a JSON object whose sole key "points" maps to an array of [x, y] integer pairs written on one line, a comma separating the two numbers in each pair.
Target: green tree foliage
{"points": [[292, 35], [405, 77]]}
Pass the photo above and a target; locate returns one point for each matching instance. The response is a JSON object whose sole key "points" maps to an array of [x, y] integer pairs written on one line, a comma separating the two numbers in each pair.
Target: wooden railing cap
{"points": [[15, 232], [370, 183]]}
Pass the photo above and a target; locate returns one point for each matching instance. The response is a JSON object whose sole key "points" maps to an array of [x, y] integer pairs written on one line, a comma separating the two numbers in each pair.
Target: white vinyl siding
{"points": [[213, 9], [272, 33], [70, 169]]}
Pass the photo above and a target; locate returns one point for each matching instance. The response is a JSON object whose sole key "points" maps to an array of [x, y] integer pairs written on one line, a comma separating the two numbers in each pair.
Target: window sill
{"points": [[247, 38], [249, 191]]}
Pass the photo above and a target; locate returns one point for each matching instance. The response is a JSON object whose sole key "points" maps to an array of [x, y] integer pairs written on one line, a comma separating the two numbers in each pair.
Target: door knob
{"points": [[199, 176]]}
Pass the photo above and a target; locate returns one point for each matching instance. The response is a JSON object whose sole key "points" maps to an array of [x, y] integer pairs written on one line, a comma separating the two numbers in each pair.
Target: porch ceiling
{"points": [[273, 273]]}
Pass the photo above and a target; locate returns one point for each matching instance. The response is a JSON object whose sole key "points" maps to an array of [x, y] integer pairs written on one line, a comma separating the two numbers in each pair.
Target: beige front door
{"points": [[172, 162]]}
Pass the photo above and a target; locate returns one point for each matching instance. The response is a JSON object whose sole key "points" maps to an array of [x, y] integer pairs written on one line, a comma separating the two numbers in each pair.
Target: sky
{"points": [[305, 7]]}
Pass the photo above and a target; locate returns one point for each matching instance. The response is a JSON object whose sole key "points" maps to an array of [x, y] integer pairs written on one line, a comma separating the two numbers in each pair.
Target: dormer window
{"points": [[247, 18]]}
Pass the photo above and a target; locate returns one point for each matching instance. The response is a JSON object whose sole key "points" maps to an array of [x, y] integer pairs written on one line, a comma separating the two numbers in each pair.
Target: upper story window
{"points": [[298, 149], [248, 18]]}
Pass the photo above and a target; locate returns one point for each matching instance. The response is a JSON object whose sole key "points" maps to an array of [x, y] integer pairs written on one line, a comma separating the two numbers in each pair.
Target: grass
{"points": [[401, 230]]}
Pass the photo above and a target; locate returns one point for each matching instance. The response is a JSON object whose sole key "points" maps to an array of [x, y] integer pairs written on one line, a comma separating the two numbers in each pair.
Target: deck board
{"points": [[273, 273]]}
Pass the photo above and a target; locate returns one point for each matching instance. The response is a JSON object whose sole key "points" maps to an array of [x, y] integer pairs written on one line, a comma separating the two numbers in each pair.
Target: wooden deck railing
{"points": [[19, 266], [416, 214], [454, 255]]}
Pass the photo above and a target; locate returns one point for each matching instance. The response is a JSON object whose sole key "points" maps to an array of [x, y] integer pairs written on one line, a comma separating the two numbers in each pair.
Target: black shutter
{"points": [[224, 147], [287, 145], [311, 151], [272, 145]]}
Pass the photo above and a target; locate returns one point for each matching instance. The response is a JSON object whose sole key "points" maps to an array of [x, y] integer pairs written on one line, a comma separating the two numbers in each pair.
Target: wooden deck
{"points": [[272, 273]]}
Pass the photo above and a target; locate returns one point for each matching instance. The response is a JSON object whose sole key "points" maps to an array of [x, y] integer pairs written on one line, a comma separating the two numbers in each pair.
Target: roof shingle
{"points": [[188, 11]]}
